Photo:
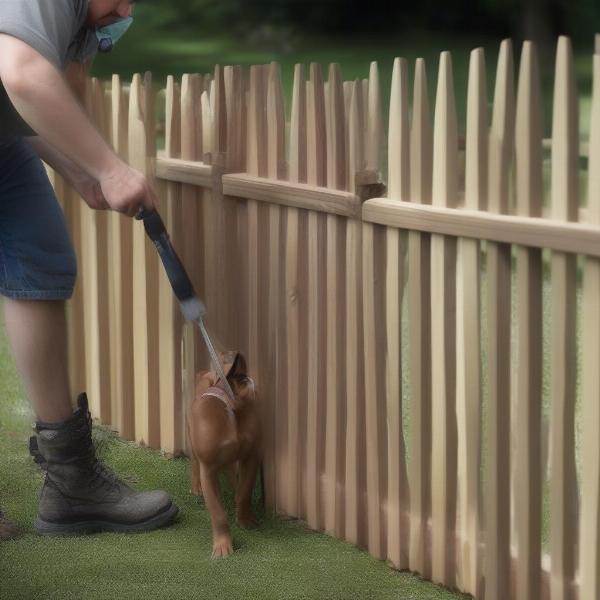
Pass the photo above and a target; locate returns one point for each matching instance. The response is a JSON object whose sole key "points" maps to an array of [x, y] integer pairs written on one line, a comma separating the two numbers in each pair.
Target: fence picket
{"points": [[589, 547], [293, 300], [272, 392], [468, 350], [316, 175], [145, 288], [337, 179], [398, 187], [443, 332], [354, 473], [501, 147], [565, 205], [419, 308], [529, 190], [120, 256]]}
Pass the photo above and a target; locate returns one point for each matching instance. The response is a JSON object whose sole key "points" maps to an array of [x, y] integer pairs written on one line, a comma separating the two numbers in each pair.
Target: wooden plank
{"points": [[272, 394], [564, 186], [526, 231], [354, 407], [529, 190], [497, 558], [295, 195], [589, 547], [297, 154], [443, 333], [317, 175], [468, 351], [170, 319], [120, 248], [145, 291], [334, 438], [184, 171], [98, 367], [419, 309], [398, 187]]}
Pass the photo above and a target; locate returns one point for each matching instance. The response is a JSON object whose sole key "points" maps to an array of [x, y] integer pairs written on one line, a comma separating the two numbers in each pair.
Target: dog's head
{"points": [[236, 371]]}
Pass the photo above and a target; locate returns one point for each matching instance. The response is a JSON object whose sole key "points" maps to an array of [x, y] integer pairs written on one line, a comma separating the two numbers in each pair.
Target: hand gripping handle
{"points": [[155, 228]]}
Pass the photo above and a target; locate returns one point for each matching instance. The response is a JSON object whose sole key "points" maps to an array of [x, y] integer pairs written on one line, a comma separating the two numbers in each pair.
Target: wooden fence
{"points": [[409, 346]]}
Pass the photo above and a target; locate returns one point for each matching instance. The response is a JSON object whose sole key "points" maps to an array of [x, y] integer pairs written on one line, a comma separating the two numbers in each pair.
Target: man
{"points": [[46, 47]]}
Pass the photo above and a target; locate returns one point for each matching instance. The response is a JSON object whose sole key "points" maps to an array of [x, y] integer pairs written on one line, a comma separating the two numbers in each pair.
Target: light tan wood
{"points": [[273, 394], [497, 490], [145, 290], [398, 187], [120, 246], [334, 437], [316, 175], [468, 351], [170, 319], [526, 231], [443, 332], [419, 309], [297, 154], [589, 547], [184, 171], [295, 195], [354, 415], [528, 402], [564, 187], [97, 302]]}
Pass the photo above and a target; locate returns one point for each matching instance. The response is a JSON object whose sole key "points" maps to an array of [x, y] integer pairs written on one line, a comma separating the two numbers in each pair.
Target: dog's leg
{"points": [[196, 480], [222, 545], [243, 497]]}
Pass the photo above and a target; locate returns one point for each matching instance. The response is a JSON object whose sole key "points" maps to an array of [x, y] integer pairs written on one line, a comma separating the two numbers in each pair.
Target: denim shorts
{"points": [[37, 260]]}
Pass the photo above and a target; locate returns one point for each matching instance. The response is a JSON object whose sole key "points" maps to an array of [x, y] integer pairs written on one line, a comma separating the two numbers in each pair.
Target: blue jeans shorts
{"points": [[37, 260]]}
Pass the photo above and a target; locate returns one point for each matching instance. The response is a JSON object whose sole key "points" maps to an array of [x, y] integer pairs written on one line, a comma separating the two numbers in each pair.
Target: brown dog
{"points": [[225, 434]]}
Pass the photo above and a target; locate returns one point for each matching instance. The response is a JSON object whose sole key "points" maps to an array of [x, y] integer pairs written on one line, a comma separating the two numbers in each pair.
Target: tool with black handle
{"points": [[192, 307]]}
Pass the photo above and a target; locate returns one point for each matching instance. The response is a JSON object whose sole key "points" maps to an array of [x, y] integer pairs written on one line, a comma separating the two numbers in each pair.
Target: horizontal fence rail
{"points": [[425, 346]]}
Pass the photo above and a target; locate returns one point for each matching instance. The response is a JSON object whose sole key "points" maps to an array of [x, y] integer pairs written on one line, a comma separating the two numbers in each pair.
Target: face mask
{"points": [[109, 35]]}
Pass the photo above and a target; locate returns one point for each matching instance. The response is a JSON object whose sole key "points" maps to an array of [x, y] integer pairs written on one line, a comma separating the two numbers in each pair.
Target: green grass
{"points": [[280, 560]]}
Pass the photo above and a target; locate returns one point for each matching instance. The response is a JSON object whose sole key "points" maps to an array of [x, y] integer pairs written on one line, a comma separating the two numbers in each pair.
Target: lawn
{"points": [[281, 560]]}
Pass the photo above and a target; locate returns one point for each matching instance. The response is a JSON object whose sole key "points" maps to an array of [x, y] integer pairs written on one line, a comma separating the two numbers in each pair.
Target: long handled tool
{"points": [[192, 307]]}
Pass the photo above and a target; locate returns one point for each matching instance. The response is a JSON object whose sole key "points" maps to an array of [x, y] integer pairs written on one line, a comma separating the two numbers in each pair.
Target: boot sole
{"points": [[81, 527]]}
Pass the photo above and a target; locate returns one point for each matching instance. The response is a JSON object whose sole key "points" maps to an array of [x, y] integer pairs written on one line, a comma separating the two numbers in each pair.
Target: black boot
{"points": [[82, 495]]}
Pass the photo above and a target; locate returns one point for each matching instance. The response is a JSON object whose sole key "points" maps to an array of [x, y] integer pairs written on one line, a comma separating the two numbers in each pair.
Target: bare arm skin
{"points": [[41, 95]]}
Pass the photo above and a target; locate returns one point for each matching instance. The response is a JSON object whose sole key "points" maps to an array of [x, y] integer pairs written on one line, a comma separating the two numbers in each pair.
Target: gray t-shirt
{"points": [[57, 30]]}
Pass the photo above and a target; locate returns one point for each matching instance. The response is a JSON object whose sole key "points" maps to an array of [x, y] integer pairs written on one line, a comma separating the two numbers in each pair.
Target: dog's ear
{"points": [[238, 368]]}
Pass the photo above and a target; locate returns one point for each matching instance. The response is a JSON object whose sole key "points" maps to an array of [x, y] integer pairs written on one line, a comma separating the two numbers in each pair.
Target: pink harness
{"points": [[223, 396]]}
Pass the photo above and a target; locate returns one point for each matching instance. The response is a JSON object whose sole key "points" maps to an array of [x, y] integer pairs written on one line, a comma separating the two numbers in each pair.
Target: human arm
{"points": [[42, 97]]}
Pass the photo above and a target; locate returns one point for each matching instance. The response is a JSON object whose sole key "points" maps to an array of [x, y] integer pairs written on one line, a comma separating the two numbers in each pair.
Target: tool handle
{"points": [[155, 228]]}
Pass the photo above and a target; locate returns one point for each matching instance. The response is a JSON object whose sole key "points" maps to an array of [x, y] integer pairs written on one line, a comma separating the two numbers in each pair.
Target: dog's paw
{"points": [[247, 520], [222, 547]]}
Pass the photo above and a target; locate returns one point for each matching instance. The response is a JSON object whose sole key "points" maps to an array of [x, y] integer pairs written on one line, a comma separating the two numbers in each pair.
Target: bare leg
{"points": [[243, 496], [37, 331], [222, 545]]}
